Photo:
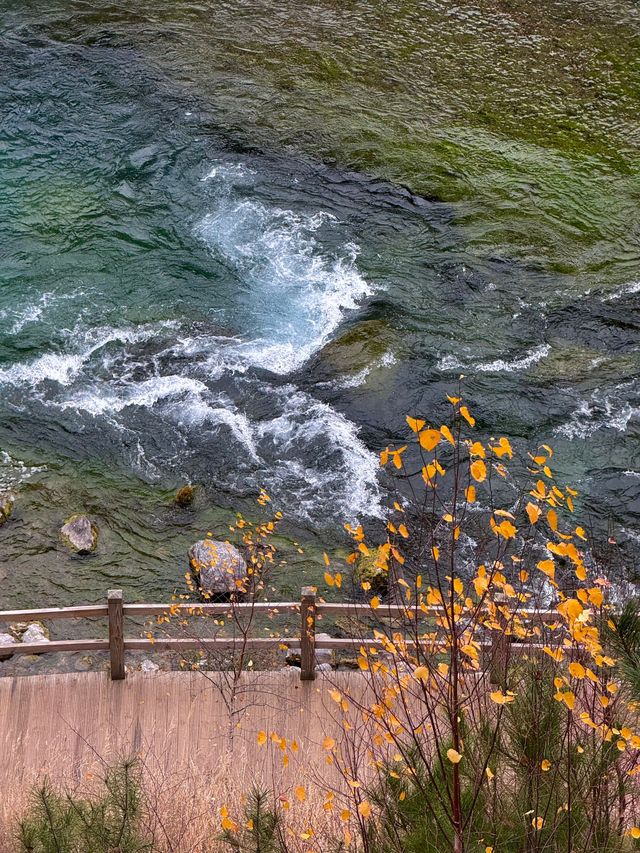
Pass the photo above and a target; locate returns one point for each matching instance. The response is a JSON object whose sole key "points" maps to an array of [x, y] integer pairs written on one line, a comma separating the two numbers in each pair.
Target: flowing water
{"points": [[241, 241]]}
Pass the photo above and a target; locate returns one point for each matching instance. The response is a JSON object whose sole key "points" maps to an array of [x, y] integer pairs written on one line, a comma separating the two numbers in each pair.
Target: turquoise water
{"points": [[240, 243]]}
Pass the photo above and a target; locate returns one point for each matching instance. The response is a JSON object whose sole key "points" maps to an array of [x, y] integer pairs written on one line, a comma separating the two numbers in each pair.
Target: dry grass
{"points": [[194, 759], [183, 804]]}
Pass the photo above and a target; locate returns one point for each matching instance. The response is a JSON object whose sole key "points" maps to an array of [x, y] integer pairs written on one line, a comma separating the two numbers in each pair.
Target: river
{"points": [[240, 241]]}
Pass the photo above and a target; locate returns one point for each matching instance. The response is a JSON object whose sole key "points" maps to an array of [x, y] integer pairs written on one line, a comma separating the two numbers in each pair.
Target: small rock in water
{"points": [[80, 534], [149, 666], [184, 496], [219, 567], [6, 507], [6, 640]]}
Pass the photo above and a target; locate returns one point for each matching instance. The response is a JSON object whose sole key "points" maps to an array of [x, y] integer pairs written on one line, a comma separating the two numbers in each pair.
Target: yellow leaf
{"points": [[228, 824], [326, 559], [552, 518], [634, 832], [402, 530], [506, 529], [454, 756], [533, 512], [500, 698], [581, 573], [421, 673], [262, 738], [429, 438], [580, 532], [415, 424], [435, 552], [490, 773], [301, 794], [503, 448], [545, 765], [537, 822], [478, 470], [577, 670], [567, 697], [364, 809], [467, 416], [345, 814], [548, 567], [470, 494], [595, 596], [375, 602], [446, 432], [329, 579], [453, 400], [477, 449], [328, 743]]}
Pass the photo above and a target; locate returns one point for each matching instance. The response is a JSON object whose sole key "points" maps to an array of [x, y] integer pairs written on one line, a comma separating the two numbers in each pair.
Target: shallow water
{"points": [[240, 243]]}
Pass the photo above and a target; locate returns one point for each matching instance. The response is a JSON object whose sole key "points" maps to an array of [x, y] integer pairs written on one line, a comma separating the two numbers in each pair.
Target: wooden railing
{"points": [[117, 644]]}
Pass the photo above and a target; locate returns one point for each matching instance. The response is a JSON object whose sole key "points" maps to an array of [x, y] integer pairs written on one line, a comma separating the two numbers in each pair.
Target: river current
{"points": [[240, 244]]}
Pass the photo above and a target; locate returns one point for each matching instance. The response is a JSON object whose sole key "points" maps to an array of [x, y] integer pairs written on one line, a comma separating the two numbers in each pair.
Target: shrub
{"points": [[63, 822]]}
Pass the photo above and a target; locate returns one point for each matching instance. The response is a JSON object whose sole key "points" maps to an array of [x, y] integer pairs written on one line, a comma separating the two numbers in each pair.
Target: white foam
{"points": [[298, 295], [63, 368], [529, 358], [199, 412], [101, 400], [604, 409], [347, 487], [15, 471], [627, 289]]}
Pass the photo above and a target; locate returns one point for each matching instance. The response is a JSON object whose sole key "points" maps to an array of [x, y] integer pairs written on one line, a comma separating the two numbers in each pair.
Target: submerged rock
{"points": [[184, 496], [219, 567], [80, 534], [366, 570], [6, 507]]}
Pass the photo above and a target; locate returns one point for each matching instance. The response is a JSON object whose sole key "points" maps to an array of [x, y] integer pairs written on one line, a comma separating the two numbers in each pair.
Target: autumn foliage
{"points": [[492, 718]]}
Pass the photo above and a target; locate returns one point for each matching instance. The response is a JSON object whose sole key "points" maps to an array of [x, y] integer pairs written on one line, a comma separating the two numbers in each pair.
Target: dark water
{"points": [[240, 243]]}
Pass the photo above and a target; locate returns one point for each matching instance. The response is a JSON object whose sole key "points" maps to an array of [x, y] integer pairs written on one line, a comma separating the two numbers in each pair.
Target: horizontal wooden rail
{"points": [[309, 608], [44, 614], [55, 646], [211, 609]]}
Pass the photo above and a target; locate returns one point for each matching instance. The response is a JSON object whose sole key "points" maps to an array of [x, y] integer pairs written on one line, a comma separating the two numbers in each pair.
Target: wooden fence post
{"points": [[116, 633], [499, 647], [308, 634]]}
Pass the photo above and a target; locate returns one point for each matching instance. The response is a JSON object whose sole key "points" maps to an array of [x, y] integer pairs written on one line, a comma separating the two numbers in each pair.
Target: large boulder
{"points": [[6, 507], [219, 567], [80, 534]]}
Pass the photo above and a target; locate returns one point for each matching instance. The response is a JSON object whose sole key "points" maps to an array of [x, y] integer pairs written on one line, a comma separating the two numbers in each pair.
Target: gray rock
{"points": [[6, 507], [6, 640], [324, 667], [219, 567], [36, 633], [80, 534], [149, 666]]}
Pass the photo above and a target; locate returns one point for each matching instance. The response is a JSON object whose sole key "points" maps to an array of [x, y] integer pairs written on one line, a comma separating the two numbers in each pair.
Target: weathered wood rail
{"points": [[115, 610]]}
